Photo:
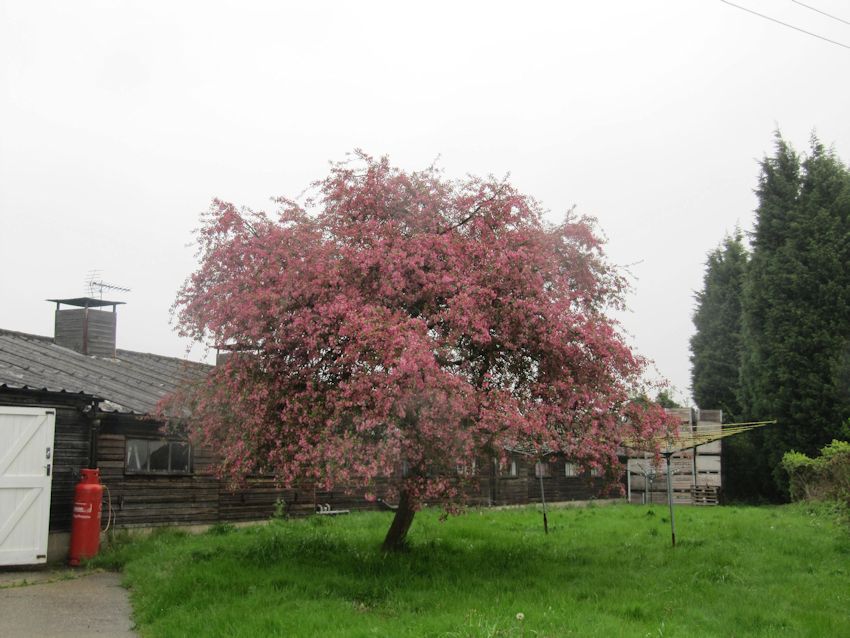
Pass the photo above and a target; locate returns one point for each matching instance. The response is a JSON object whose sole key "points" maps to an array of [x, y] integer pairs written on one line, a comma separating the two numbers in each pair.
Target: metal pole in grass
{"points": [[543, 500], [667, 456]]}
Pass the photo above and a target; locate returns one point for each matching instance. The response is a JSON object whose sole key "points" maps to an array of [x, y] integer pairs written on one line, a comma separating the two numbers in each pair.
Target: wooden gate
{"points": [[26, 461]]}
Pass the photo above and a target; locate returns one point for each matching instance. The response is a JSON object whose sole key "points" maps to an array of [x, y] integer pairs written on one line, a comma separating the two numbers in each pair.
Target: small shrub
{"points": [[280, 510], [826, 477]]}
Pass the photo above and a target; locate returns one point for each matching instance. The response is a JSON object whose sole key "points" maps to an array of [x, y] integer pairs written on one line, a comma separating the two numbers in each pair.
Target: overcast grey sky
{"points": [[120, 121]]}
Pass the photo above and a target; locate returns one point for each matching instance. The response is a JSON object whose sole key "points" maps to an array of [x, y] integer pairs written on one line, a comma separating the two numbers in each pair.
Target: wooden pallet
{"points": [[705, 494]]}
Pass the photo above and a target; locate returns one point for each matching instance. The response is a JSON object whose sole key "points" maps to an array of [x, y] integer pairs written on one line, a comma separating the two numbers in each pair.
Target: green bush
{"points": [[826, 477]]}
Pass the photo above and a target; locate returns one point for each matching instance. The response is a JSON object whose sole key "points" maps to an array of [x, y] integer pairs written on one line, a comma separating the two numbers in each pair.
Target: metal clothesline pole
{"points": [[543, 500], [667, 456]]}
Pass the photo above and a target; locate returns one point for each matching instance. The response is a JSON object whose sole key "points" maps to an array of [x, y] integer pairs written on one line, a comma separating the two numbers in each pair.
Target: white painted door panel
{"points": [[26, 462]]}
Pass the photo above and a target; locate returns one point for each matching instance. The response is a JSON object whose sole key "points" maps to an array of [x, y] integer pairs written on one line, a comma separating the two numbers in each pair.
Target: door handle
{"points": [[47, 467]]}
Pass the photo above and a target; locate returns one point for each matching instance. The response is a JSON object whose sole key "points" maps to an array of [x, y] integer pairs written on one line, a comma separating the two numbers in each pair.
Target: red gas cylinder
{"points": [[85, 524]]}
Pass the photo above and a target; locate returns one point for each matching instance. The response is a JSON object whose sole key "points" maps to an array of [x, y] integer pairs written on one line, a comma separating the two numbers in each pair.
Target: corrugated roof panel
{"points": [[132, 382]]}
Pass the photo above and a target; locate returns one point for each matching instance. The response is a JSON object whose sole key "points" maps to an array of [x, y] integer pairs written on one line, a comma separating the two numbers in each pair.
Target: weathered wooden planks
{"points": [[692, 468], [87, 331], [139, 499], [705, 495]]}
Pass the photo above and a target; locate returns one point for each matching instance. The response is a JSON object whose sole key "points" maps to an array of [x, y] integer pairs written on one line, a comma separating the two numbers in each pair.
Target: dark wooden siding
{"points": [[151, 499], [509, 490], [71, 444], [146, 500], [71, 454], [257, 500]]}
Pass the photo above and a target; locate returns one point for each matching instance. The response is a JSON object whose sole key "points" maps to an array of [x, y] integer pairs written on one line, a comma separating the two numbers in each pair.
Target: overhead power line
{"points": [[785, 24], [816, 10]]}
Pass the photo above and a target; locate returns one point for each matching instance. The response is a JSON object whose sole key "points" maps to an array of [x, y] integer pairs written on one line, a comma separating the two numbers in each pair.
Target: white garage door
{"points": [[26, 461]]}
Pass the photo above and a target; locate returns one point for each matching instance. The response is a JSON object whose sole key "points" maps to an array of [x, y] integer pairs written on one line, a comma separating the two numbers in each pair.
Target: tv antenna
{"points": [[95, 284]]}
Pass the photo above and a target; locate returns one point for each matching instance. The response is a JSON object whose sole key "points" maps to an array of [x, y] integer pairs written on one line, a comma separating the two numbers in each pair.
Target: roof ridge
{"points": [[162, 356]]}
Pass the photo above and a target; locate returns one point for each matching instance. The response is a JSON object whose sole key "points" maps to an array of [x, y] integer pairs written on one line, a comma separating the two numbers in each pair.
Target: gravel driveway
{"points": [[63, 603]]}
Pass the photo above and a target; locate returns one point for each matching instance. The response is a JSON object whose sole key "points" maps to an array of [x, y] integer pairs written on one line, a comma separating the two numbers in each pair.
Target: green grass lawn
{"points": [[601, 571]]}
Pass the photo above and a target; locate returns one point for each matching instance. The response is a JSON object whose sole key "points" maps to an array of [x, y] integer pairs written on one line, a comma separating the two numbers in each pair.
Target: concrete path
{"points": [[63, 603]]}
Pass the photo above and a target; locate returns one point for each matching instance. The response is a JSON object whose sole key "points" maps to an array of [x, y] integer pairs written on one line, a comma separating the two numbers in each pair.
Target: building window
{"points": [[596, 472], [466, 469], [541, 470], [158, 456], [570, 470], [506, 467]]}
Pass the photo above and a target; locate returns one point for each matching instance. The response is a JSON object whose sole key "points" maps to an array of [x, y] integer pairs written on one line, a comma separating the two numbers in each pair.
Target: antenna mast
{"points": [[95, 284]]}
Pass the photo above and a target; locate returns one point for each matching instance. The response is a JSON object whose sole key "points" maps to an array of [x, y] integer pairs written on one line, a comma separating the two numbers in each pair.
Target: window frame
{"points": [[508, 469], [467, 469], [542, 469], [188, 471]]}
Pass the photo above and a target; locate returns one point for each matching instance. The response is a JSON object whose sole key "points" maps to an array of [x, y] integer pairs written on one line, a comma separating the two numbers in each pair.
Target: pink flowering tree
{"points": [[401, 324]]}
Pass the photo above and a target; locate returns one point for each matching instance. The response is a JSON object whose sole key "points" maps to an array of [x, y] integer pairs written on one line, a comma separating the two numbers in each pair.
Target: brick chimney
{"points": [[84, 327]]}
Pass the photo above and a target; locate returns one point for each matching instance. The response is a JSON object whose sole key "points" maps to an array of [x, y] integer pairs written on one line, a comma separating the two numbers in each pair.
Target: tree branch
{"points": [[471, 215]]}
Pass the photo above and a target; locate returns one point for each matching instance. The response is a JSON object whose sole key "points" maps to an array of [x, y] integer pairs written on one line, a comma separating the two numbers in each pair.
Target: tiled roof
{"points": [[132, 382]]}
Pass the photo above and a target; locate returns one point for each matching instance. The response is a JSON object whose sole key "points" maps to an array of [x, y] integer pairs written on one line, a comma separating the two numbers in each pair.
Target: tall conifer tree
{"points": [[796, 309], [716, 353], [716, 345]]}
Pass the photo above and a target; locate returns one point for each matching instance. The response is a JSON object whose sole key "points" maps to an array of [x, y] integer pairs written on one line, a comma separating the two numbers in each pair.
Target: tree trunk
{"points": [[396, 539]]}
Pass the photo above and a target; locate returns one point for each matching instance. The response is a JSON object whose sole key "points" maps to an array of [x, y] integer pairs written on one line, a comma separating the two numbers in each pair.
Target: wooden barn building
{"points": [[75, 401]]}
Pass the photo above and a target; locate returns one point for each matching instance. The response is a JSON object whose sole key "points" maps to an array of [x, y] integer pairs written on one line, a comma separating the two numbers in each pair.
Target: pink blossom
{"points": [[409, 320]]}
